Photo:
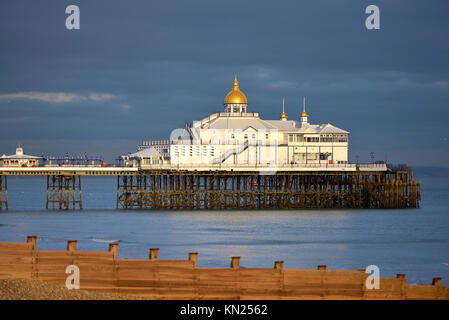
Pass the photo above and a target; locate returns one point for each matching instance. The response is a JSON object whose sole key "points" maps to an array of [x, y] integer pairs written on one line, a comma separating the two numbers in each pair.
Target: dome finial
{"points": [[283, 115], [304, 114], [235, 95]]}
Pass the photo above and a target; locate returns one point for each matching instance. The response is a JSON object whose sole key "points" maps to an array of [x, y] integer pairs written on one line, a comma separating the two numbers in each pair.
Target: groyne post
{"points": [[235, 262], [153, 253], [71, 245], [401, 277], [279, 265], [436, 282], [193, 256], [32, 240], [113, 248]]}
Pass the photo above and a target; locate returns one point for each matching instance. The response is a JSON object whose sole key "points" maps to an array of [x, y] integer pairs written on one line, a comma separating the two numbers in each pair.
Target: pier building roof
{"points": [[244, 122], [146, 153], [19, 155]]}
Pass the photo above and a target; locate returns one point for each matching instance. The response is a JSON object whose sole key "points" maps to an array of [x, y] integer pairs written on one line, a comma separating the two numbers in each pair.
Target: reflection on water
{"points": [[415, 242]]}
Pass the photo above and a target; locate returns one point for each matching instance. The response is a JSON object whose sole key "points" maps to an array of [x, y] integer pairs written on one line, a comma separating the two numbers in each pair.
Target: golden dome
{"points": [[304, 114], [235, 95], [283, 115]]}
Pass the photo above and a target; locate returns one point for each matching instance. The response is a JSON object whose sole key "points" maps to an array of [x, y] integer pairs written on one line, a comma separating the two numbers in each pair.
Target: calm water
{"points": [[415, 242]]}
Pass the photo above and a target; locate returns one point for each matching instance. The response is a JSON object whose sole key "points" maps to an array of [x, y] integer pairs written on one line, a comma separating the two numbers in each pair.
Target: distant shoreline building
{"points": [[237, 136], [19, 159]]}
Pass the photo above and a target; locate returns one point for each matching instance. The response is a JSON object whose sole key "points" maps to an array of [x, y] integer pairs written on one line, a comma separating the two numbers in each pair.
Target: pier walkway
{"points": [[115, 171]]}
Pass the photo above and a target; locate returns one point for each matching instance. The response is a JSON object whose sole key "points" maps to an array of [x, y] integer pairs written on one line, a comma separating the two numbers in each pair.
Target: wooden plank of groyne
{"points": [[97, 261], [16, 271], [390, 288], [218, 283], [159, 279], [423, 292], [260, 279], [260, 284], [95, 266], [97, 269], [16, 260], [341, 283], [148, 292], [128, 267], [51, 265], [53, 254], [91, 283], [15, 246], [97, 254], [184, 293], [314, 284], [47, 259]]}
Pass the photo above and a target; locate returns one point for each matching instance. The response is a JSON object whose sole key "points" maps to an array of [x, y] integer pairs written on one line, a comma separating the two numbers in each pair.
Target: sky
{"points": [[139, 69]]}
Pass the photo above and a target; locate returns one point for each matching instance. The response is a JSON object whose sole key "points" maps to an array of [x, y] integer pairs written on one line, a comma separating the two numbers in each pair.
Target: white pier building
{"points": [[237, 137]]}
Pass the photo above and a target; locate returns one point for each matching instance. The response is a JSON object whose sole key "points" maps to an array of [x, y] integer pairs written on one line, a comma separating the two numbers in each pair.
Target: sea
{"points": [[410, 241]]}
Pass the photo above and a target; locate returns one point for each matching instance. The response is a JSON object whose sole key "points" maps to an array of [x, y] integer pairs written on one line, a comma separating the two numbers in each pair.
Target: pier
{"points": [[232, 187]]}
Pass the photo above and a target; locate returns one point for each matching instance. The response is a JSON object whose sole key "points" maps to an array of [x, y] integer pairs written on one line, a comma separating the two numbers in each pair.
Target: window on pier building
{"points": [[296, 138], [311, 139], [325, 156], [312, 156], [301, 157], [334, 138]]}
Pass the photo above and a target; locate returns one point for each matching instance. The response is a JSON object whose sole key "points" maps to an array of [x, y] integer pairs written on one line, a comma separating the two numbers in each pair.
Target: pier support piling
{"points": [[3, 192], [247, 190], [64, 192]]}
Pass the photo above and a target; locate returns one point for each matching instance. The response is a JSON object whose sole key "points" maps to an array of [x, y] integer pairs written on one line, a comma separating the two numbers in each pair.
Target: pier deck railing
{"points": [[268, 168]]}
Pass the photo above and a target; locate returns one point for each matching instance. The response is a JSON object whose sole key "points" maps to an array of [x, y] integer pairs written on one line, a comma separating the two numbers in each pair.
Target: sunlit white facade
{"points": [[240, 137]]}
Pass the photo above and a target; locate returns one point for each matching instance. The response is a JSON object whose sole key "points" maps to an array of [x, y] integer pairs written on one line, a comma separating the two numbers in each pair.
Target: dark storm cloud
{"points": [[167, 62]]}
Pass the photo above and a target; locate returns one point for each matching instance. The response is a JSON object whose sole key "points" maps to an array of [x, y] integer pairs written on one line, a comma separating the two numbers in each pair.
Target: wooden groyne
{"points": [[283, 190], [155, 278]]}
